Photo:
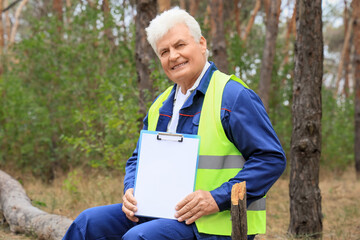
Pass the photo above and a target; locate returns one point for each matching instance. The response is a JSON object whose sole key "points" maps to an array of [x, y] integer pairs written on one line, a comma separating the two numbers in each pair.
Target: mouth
{"points": [[179, 65]]}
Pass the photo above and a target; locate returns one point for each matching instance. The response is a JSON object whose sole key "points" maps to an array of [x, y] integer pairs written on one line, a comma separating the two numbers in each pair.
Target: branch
{"points": [[16, 24], [343, 54], [22, 217], [252, 19], [10, 6]]}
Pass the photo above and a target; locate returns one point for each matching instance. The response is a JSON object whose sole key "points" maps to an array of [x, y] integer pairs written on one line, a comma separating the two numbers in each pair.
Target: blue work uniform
{"points": [[246, 125]]}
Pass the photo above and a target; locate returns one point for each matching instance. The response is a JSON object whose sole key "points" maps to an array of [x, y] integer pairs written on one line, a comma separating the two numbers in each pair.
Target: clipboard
{"points": [[165, 172]]}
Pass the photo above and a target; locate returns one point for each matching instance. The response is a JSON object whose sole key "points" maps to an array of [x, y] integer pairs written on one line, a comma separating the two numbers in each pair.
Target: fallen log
{"points": [[238, 211], [22, 217]]}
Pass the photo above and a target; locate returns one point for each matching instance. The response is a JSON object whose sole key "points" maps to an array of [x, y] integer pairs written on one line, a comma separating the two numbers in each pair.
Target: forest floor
{"points": [[69, 195]]}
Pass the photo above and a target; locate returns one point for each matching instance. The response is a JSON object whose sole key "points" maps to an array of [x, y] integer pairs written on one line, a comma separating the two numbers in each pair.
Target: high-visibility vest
{"points": [[219, 159]]}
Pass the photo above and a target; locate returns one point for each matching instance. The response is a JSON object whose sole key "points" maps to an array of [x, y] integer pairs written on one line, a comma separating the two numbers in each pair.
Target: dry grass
{"points": [[69, 195], [340, 207]]}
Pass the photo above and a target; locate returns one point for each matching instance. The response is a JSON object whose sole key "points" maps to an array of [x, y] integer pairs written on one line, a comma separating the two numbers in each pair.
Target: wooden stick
{"points": [[238, 211]]}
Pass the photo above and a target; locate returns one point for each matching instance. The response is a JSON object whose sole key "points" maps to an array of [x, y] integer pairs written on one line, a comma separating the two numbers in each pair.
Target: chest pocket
{"points": [[195, 123]]}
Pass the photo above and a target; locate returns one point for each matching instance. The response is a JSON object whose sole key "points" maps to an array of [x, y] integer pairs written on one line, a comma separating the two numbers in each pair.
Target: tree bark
{"points": [[22, 217], [182, 4], [164, 5], [194, 6], [218, 35], [356, 25], [266, 8], [305, 196], [57, 6], [238, 212], [144, 54], [237, 17], [269, 53]]}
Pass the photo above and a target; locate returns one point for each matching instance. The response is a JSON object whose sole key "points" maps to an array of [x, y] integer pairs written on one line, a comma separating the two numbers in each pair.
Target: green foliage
{"points": [[337, 131], [71, 98], [71, 183], [38, 203], [245, 61]]}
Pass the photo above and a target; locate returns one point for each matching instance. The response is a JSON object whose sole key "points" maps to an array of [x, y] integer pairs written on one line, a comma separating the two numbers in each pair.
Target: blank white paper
{"points": [[166, 172]]}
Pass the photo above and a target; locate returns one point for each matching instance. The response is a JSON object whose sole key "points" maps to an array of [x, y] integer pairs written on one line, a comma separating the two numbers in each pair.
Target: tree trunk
{"points": [[2, 41], [237, 17], [16, 24], [269, 53], [57, 6], [22, 217], [144, 54], [182, 4], [251, 20], [356, 16], [91, 3], [305, 196], [107, 23], [218, 35], [194, 6], [346, 48], [7, 24], [58, 11], [164, 5], [290, 29], [347, 62], [266, 8]]}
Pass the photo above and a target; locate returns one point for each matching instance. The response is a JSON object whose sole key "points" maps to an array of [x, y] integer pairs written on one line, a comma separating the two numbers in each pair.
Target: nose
{"points": [[173, 55]]}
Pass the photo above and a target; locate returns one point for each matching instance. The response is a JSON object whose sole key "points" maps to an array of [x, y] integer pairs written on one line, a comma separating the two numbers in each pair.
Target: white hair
{"points": [[162, 23]]}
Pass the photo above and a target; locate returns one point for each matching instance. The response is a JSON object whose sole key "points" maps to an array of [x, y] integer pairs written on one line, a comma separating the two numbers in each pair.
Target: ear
{"points": [[203, 44]]}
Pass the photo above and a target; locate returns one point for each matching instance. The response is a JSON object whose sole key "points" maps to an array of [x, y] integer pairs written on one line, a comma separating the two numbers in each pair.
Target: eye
{"points": [[163, 53]]}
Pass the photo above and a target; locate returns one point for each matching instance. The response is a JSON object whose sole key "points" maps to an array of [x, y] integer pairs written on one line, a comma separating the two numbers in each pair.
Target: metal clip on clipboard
{"points": [[170, 137]]}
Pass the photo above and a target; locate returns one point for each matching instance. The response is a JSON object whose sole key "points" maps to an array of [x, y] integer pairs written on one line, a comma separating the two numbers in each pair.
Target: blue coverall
{"points": [[246, 125]]}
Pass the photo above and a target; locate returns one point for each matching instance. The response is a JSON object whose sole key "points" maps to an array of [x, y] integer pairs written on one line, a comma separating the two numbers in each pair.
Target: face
{"points": [[182, 58]]}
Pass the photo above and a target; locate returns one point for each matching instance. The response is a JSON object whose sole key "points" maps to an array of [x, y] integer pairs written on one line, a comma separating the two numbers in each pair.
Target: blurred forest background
{"points": [[69, 88], [76, 78]]}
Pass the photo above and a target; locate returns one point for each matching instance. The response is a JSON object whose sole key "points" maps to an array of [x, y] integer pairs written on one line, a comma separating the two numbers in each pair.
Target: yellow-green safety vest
{"points": [[219, 159]]}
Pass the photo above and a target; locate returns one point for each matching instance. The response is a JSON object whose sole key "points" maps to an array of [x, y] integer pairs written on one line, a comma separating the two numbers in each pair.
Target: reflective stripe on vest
{"points": [[219, 159]]}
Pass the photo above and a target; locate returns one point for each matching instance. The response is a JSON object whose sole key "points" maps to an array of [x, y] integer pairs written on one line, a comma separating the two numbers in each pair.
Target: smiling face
{"points": [[181, 57]]}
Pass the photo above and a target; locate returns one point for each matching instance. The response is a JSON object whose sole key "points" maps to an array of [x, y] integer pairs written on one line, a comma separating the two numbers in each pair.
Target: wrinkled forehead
{"points": [[178, 32]]}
